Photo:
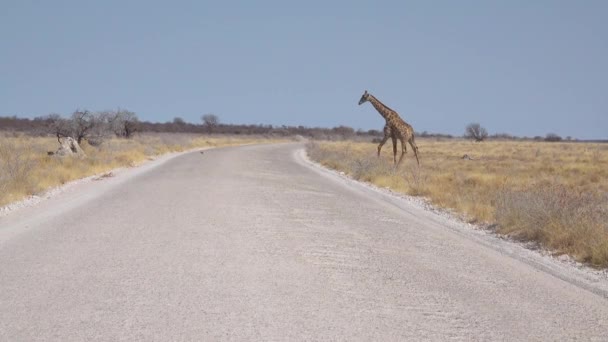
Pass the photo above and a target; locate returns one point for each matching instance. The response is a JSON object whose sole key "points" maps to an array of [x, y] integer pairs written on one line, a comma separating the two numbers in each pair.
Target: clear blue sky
{"points": [[520, 67]]}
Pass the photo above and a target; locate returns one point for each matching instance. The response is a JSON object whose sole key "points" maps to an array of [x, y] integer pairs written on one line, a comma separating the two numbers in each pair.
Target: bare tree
{"points": [[553, 137], [82, 123], [374, 132], [344, 132], [130, 123], [210, 121], [58, 126], [475, 131], [102, 128], [124, 123]]}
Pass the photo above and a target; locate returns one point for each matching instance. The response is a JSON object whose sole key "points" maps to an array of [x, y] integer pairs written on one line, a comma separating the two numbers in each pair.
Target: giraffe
{"points": [[399, 129], [388, 133]]}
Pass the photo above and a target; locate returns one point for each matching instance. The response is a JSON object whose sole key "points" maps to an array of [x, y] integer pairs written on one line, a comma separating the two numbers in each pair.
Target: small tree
{"points": [[553, 137], [102, 128], [57, 126], [130, 124], [124, 123], [344, 131], [475, 131], [374, 132], [210, 121], [82, 123]]}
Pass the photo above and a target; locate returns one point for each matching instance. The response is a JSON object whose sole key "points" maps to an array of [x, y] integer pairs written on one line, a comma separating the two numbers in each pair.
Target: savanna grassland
{"points": [[555, 194], [26, 169]]}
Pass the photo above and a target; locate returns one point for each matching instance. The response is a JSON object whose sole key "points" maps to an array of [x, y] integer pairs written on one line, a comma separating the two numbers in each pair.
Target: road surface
{"points": [[252, 243]]}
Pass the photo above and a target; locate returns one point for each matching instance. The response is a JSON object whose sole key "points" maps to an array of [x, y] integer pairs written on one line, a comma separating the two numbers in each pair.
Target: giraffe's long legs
{"points": [[382, 144], [402, 151], [415, 148], [394, 149]]}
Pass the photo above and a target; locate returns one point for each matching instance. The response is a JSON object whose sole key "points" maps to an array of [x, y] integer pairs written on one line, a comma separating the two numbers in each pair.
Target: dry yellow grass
{"points": [[26, 169], [553, 193]]}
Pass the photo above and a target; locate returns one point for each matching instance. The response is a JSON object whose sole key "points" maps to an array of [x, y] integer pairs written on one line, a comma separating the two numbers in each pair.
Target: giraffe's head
{"points": [[364, 97]]}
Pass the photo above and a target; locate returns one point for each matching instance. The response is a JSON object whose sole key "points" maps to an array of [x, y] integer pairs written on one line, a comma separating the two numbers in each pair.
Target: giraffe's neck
{"points": [[387, 113]]}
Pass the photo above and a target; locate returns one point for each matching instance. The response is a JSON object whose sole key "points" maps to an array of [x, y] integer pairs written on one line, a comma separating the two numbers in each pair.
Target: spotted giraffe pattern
{"points": [[399, 128]]}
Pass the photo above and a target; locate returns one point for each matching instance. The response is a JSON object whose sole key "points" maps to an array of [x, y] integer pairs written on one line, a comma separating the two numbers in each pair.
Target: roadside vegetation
{"points": [[26, 169], [118, 138], [109, 139], [552, 193]]}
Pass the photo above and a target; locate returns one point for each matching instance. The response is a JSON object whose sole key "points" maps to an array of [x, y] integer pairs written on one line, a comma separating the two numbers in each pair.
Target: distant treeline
{"points": [[124, 123], [54, 124]]}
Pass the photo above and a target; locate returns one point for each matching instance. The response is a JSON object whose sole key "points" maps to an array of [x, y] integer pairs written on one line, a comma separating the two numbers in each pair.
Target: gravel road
{"points": [[254, 243]]}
